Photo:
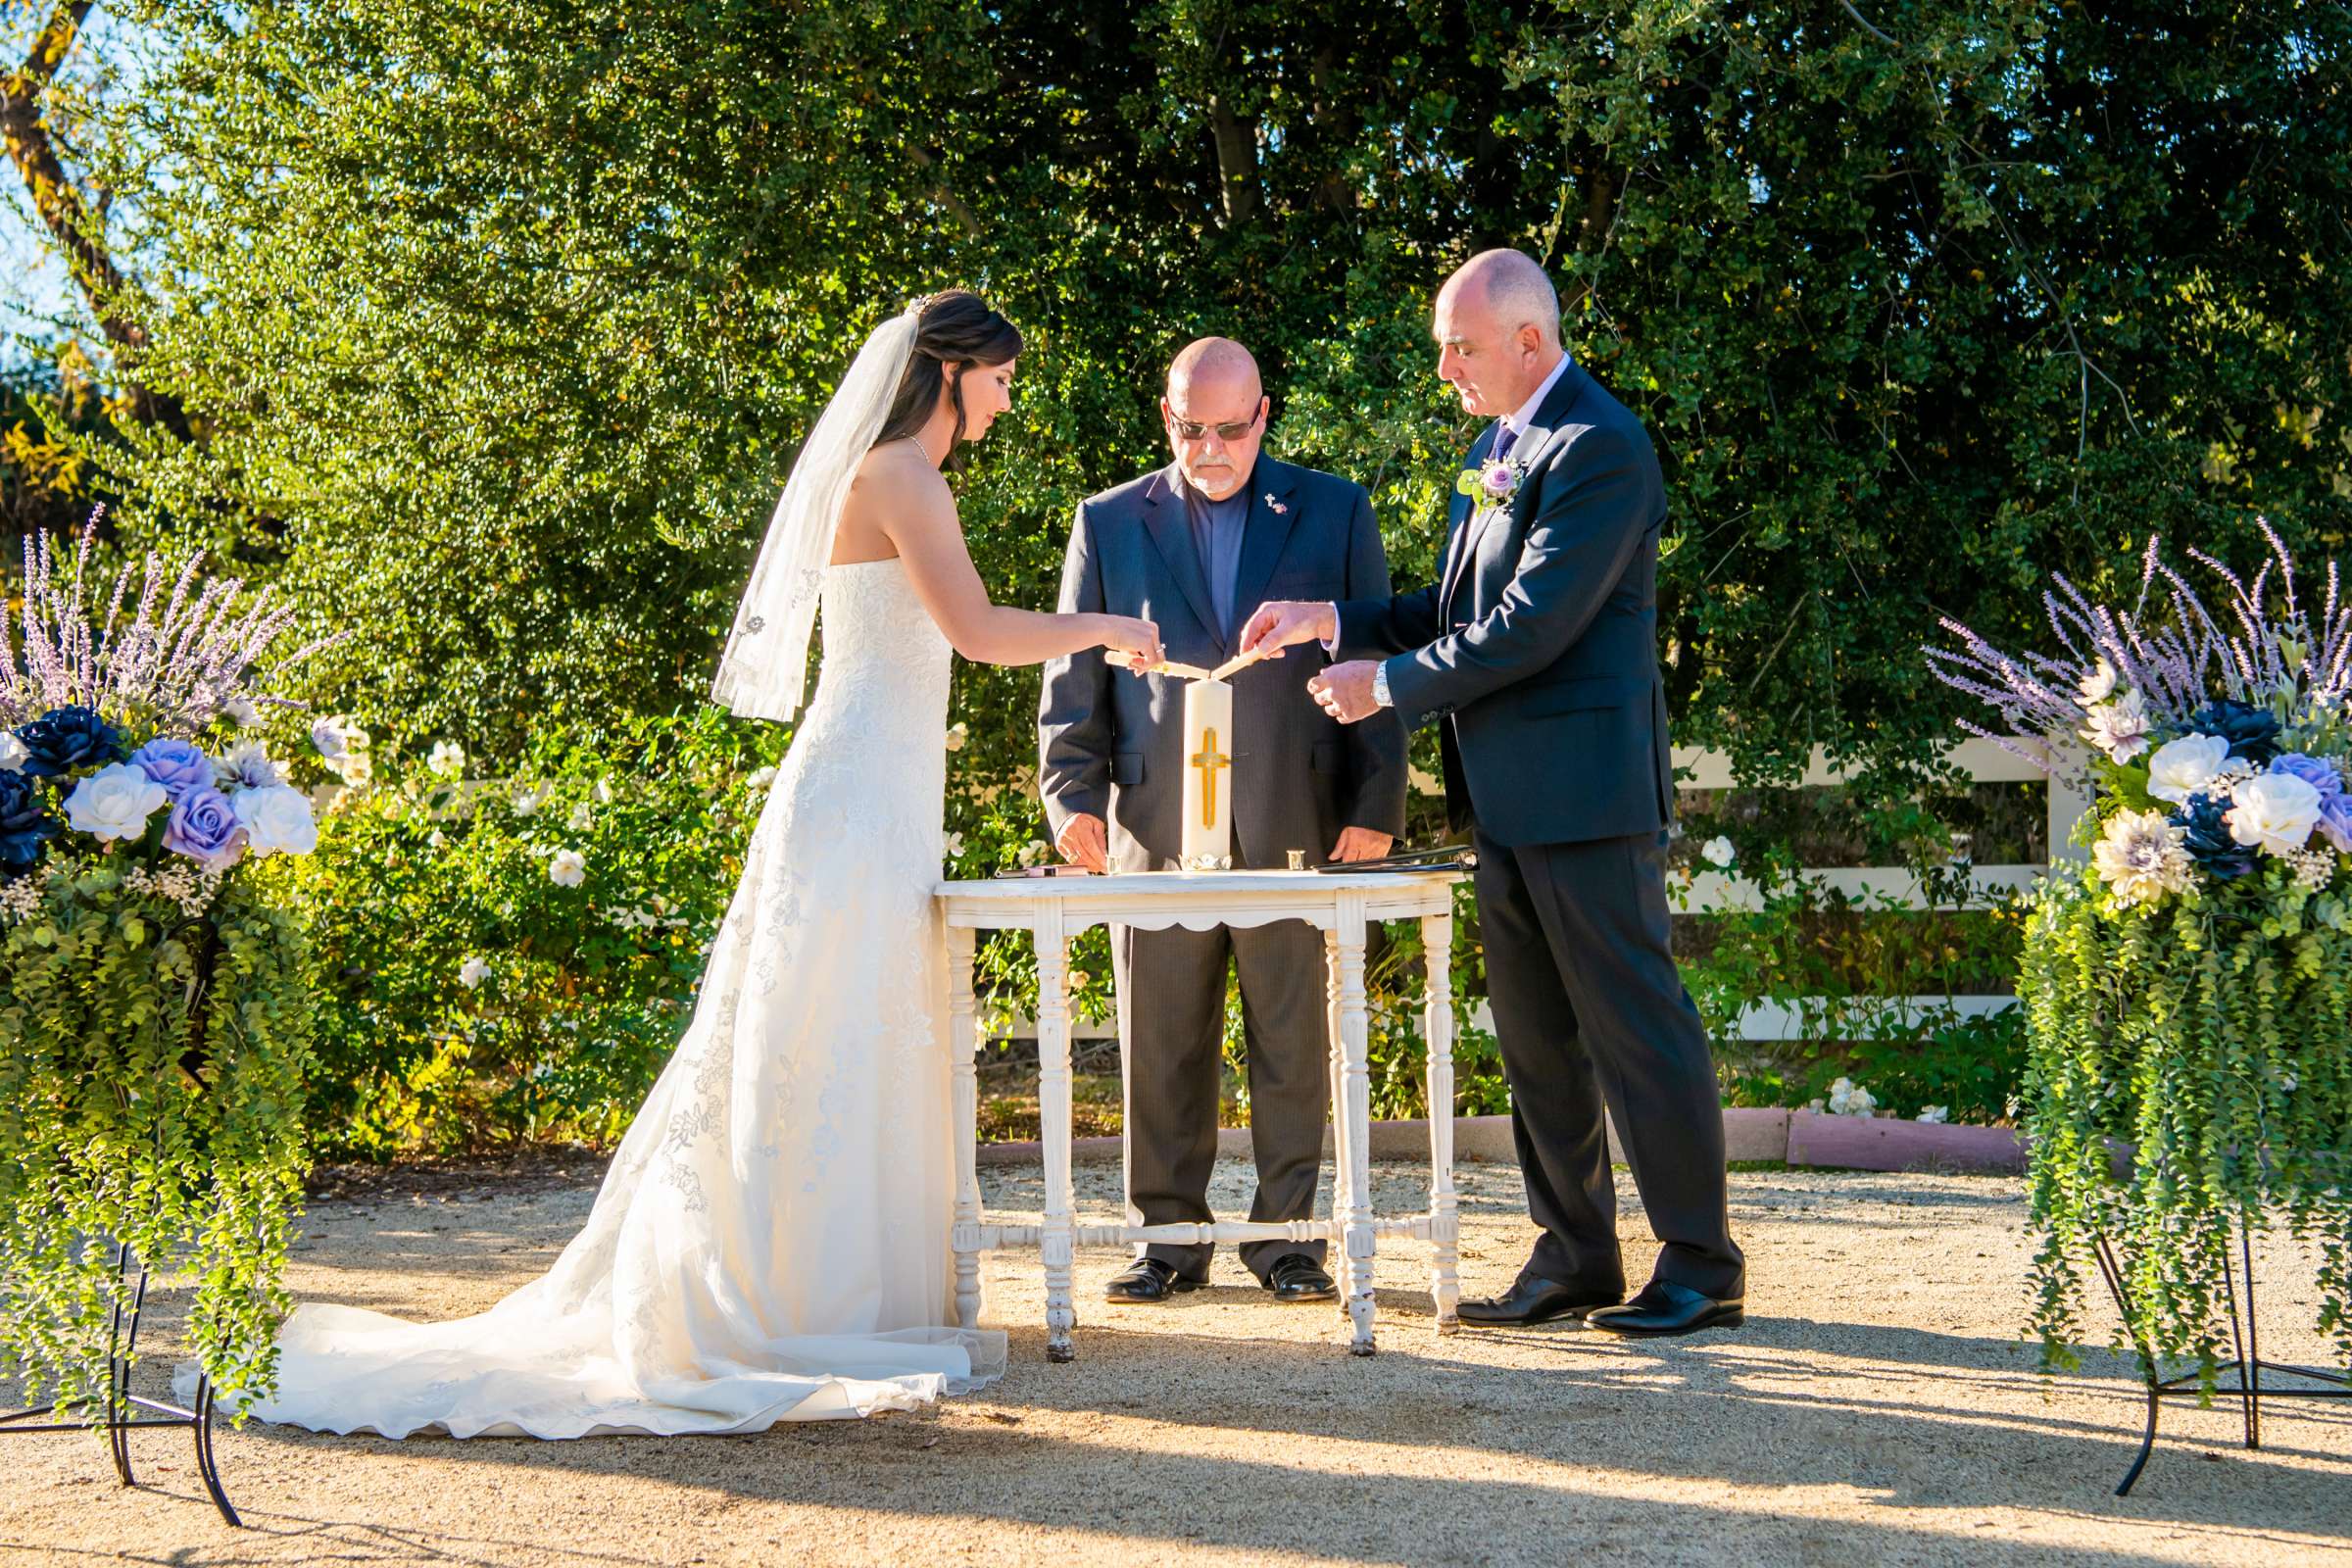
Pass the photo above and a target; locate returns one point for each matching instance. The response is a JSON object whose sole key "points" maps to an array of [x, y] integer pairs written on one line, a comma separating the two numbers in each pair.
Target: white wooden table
{"points": [[1054, 910]]}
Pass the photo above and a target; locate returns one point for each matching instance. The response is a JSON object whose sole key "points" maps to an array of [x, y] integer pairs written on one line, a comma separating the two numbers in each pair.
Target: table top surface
{"points": [[1187, 884]]}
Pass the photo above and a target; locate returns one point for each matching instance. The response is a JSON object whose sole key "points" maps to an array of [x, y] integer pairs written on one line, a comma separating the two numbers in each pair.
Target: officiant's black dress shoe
{"points": [[1664, 1308], [1537, 1301], [1296, 1277], [1148, 1278]]}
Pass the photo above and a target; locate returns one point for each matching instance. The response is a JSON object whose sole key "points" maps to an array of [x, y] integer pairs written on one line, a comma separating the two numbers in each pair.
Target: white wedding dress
{"points": [[771, 1242]]}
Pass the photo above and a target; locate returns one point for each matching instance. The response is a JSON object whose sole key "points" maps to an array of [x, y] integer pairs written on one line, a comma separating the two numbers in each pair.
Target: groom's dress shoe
{"points": [[1664, 1307], [1148, 1278], [1537, 1301], [1296, 1277]]}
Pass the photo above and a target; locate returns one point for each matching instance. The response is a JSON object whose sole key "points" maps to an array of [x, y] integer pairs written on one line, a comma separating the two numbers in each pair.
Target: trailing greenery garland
{"points": [[2190, 1071], [151, 1087]]}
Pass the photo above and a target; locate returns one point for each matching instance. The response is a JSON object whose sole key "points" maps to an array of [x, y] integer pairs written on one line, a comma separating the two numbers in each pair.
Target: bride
{"points": [[771, 1241]]}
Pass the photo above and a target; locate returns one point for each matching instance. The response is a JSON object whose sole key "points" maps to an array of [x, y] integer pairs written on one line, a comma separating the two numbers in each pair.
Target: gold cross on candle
{"points": [[1209, 759]]}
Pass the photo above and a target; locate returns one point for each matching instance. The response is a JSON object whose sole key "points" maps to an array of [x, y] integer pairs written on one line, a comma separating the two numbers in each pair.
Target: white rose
{"points": [[1718, 852], [357, 770], [760, 779], [331, 739], [2186, 767], [568, 870], [12, 749], [603, 792], [957, 734], [528, 802], [115, 803], [473, 972], [2275, 811], [582, 819], [2098, 686], [448, 759], [277, 819]]}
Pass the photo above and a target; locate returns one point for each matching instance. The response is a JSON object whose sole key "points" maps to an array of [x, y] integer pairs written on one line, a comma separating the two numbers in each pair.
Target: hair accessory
{"points": [[917, 305]]}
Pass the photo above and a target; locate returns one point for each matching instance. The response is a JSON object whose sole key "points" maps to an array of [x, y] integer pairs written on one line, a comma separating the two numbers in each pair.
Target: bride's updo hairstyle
{"points": [[957, 328]]}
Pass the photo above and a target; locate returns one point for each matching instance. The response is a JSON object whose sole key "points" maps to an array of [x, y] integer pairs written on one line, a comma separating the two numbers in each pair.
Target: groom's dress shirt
{"points": [[1506, 437]]}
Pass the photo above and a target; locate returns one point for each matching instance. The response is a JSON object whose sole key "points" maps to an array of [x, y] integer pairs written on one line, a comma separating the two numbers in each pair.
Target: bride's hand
{"points": [[1131, 644]]}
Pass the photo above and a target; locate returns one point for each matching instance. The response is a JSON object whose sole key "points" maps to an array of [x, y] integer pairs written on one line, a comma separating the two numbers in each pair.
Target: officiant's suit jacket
{"points": [[1537, 649], [1111, 742]]}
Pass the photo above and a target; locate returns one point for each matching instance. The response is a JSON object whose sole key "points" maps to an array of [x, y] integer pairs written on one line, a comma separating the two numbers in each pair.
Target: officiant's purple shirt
{"points": [[1217, 530]]}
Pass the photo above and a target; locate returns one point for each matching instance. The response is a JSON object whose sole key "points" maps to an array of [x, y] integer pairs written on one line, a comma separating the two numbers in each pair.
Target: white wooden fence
{"points": [[1983, 763], [1880, 886]]}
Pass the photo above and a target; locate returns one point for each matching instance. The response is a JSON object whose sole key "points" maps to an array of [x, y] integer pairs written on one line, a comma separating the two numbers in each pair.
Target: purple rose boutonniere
{"points": [[1491, 484]]}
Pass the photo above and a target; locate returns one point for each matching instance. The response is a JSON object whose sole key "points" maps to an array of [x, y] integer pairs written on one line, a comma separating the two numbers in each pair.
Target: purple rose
{"points": [[176, 765], [1497, 479], [204, 827], [2336, 821], [2316, 772]]}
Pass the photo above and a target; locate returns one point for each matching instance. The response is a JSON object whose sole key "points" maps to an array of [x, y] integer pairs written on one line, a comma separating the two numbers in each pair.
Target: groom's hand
{"points": [[1345, 691], [1360, 844], [1085, 841], [1284, 623]]}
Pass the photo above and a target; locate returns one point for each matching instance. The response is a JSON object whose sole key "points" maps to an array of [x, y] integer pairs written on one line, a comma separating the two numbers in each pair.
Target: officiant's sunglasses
{"points": [[1225, 432]]}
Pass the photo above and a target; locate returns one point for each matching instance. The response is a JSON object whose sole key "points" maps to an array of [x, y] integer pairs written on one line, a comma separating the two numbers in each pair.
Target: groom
{"points": [[1192, 545], [1537, 654]]}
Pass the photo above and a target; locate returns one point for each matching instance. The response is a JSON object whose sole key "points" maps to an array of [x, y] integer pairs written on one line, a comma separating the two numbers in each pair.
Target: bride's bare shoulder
{"points": [[898, 475]]}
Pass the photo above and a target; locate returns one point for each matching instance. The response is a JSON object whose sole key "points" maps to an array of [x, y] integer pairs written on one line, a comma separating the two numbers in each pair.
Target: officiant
{"points": [[1194, 547]]}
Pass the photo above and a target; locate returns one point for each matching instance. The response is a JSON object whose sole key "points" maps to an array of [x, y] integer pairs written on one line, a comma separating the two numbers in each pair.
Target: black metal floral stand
{"points": [[123, 1408], [2246, 1365]]}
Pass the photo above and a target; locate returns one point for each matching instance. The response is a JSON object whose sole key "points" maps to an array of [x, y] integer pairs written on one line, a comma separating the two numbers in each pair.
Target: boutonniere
{"points": [[1279, 508], [1492, 483]]}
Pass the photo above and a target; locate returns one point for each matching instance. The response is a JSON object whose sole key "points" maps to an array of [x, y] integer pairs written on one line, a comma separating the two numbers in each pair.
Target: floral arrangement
{"points": [[2187, 990], [100, 751], [155, 1001], [2219, 752]]}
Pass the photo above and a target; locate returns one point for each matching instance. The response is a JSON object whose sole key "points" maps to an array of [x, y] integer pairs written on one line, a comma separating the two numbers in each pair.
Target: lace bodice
{"points": [[884, 678]]}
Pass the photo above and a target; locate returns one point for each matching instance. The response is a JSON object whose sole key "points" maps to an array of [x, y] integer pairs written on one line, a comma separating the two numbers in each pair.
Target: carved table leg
{"points": [[1338, 1110], [1059, 1241], [963, 1044], [1445, 1222], [1355, 1066]]}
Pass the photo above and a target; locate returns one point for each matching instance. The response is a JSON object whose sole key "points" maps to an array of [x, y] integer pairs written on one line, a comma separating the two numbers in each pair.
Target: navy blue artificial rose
{"points": [[2208, 840], [2252, 732], [24, 822], [65, 740]]}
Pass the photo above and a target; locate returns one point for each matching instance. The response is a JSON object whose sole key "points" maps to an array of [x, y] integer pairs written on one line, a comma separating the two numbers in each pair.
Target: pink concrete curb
{"points": [[1749, 1132]]}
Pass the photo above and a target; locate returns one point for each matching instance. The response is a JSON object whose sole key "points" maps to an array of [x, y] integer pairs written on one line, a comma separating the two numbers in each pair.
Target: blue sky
{"points": [[33, 285]]}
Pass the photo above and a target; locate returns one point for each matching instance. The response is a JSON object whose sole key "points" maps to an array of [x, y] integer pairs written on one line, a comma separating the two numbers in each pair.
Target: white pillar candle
{"points": [[1207, 844]]}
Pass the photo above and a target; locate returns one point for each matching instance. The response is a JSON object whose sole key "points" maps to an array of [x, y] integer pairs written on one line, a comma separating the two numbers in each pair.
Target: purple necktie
{"points": [[1502, 443]]}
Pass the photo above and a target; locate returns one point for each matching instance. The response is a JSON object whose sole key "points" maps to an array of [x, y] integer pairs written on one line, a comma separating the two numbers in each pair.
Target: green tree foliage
{"points": [[500, 321], [495, 326]]}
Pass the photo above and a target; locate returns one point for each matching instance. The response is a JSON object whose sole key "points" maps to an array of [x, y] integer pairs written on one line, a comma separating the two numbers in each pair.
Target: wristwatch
{"points": [[1380, 686]]}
